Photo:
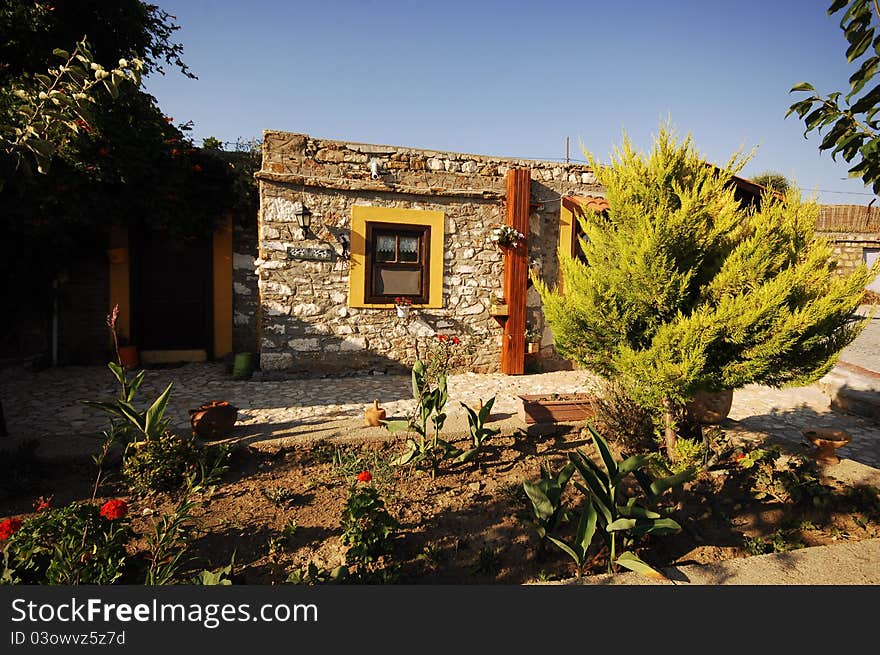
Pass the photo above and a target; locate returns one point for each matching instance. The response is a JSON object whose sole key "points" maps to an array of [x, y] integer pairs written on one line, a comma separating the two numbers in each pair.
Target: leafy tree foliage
{"points": [[125, 163], [851, 123], [684, 290], [773, 181]]}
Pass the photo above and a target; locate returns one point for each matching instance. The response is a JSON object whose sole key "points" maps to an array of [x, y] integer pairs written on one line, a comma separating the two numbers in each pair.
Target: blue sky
{"points": [[515, 78]]}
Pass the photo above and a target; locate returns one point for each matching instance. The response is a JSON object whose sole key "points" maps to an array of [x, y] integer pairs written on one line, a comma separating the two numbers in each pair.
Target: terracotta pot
{"points": [[128, 356], [374, 415], [710, 407], [214, 419]]}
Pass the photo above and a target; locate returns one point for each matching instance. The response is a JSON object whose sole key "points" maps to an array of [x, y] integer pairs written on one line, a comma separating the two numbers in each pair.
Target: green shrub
{"points": [[165, 462], [367, 527], [76, 544]]}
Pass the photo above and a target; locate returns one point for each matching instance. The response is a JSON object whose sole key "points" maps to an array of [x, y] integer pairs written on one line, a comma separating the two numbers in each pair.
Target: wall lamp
{"points": [[303, 218]]}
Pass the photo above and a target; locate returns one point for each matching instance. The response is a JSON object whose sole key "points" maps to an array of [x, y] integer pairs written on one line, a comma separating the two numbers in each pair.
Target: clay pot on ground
{"points": [[826, 440], [710, 407], [214, 419], [374, 415], [128, 356]]}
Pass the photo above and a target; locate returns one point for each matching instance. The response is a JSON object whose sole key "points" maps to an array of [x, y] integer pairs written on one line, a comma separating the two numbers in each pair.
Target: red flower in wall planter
{"points": [[403, 304]]}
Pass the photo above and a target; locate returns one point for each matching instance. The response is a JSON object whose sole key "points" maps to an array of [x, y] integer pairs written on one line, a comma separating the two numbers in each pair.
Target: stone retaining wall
{"points": [[307, 323]]}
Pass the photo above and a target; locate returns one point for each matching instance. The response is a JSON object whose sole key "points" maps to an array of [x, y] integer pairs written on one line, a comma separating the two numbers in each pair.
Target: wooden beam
{"points": [[516, 273]]}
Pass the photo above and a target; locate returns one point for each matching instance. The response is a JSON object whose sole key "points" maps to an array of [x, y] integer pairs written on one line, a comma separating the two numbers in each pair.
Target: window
{"points": [[396, 251], [397, 262], [571, 231]]}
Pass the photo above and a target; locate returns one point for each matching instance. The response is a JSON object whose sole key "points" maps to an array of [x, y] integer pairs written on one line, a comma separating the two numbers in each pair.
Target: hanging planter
{"points": [[505, 236]]}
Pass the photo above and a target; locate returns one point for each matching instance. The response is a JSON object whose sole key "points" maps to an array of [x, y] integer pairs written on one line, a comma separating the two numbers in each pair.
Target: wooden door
{"points": [[172, 292]]}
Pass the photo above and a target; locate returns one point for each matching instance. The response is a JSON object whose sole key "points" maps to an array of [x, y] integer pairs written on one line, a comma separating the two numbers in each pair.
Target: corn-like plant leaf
{"points": [[486, 410], [118, 372], [629, 465], [633, 562], [542, 505], [594, 477], [153, 419], [110, 408], [621, 524], [586, 527], [396, 425], [659, 486], [127, 410], [605, 452], [406, 457], [635, 511]]}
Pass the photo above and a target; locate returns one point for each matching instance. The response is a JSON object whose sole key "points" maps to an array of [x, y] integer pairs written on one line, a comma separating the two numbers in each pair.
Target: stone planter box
{"points": [[556, 408]]}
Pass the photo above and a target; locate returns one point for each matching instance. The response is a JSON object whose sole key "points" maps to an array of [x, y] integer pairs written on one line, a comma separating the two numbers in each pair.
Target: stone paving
{"points": [[46, 404]]}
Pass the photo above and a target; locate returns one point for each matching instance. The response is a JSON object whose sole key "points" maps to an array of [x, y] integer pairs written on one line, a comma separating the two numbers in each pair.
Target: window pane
{"points": [[393, 282], [409, 249], [385, 248]]}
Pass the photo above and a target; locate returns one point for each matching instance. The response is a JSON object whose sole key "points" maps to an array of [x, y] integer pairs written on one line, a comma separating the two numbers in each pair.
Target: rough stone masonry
{"points": [[307, 323]]}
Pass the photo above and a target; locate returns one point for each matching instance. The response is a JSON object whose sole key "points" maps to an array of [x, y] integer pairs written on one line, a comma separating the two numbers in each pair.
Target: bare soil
{"points": [[463, 526]]}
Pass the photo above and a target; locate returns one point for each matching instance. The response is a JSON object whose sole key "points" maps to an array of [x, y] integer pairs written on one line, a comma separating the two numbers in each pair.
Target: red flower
{"points": [[42, 503], [456, 340], [442, 337], [740, 456], [83, 124], [197, 168], [114, 509], [364, 476], [8, 527], [170, 119]]}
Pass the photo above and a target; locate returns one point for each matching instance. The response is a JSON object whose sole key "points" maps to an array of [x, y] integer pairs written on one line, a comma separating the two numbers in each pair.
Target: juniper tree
{"points": [[682, 290]]}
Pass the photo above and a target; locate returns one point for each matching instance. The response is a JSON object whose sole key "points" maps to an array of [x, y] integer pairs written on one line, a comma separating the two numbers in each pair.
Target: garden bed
{"points": [[279, 511]]}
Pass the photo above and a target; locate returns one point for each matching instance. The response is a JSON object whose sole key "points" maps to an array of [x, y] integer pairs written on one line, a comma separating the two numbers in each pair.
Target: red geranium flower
{"points": [[364, 476], [114, 509], [456, 340], [442, 337], [8, 527], [170, 119], [42, 503]]}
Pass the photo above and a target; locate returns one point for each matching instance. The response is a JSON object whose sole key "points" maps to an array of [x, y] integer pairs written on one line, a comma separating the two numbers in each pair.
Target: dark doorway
{"points": [[171, 292]]}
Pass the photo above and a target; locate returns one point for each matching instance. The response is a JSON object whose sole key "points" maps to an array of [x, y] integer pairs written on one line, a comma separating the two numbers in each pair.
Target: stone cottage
{"points": [[345, 228]]}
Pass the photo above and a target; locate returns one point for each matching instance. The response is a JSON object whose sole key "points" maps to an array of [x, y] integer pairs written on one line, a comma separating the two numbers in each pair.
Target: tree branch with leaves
{"points": [[47, 109], [850, 124]]}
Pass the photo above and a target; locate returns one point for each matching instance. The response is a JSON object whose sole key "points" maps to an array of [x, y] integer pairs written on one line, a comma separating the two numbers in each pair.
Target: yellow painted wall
{"points": [[222, 246], [360, 216], [120, 291]]}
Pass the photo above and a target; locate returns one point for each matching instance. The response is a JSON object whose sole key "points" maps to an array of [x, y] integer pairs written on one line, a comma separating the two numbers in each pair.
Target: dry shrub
{"points": [[623, 421]]}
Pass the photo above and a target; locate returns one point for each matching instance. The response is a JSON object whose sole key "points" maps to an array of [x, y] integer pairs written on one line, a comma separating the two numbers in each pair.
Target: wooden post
{"points": [[516, 273]]}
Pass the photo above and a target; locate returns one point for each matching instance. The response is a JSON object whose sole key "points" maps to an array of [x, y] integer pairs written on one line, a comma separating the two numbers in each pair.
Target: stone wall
{"points": [[306, 322], [245, 293], [849, 247]]}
